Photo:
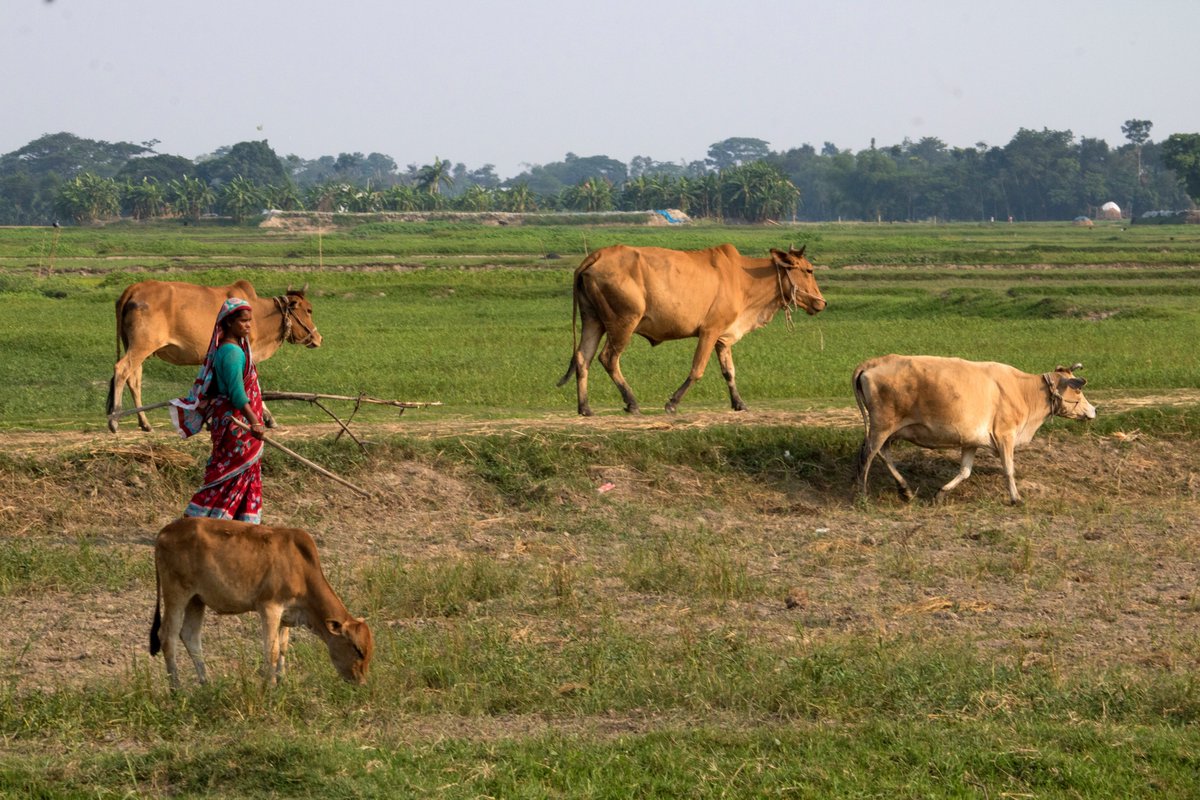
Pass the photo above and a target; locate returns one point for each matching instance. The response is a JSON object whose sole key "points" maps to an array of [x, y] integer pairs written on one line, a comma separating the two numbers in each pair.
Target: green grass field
{"points": [[728, 621], [492, 342]]}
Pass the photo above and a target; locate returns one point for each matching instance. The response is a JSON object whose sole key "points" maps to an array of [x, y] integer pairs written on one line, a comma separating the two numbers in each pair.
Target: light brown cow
{"points": [[947, 403], [236, 567], [174, 321], [716, 296]]}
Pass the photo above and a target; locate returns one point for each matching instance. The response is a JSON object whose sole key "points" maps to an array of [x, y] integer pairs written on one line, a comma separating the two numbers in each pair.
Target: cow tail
{"points": [[121, 301], [112, 382], [155, 642], [576, 288], [860, 397]]}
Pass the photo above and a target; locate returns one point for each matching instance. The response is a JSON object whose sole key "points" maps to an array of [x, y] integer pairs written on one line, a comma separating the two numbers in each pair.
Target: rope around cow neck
{"points": [[285, 311], [789, 304]]}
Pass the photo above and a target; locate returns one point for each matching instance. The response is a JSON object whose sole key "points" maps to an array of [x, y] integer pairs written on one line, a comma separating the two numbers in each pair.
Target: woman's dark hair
{"points": [[231, 318]]}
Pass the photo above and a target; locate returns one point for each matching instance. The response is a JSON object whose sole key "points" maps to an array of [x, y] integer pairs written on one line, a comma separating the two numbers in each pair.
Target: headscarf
{"points": [[188, 413]]}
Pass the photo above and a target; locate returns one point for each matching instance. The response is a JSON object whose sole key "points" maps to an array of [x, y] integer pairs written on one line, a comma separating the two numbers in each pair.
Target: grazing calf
{"points": [[945, 403], [235, 567]]}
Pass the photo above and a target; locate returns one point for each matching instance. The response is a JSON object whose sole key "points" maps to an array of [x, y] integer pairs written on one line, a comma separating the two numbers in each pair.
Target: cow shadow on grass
{"points": [[821, 467]]}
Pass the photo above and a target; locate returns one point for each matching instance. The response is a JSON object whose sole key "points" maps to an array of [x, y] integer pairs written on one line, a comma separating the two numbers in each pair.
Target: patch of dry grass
{"points": [[1097, 570]]}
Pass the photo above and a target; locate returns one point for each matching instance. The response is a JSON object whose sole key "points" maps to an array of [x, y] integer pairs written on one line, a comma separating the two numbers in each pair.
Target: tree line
{"points": [[1037, 175]]}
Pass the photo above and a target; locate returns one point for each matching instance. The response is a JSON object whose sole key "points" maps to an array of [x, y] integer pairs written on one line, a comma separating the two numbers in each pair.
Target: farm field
{"points": [[658, 606]]}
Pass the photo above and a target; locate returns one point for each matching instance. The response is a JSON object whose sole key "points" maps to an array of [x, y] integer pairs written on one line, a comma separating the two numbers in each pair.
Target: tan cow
{"points": [[236, 567], [947, 403], [716, 296], [174, 321]]}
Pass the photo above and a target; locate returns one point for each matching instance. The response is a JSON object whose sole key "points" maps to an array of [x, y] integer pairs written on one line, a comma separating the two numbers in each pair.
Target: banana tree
{"points": [[518, 198], [88, 198], [190, 197], [142, 200], [240, 199]]}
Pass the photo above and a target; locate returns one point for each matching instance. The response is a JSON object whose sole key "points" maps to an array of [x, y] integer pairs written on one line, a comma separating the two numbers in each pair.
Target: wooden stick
{"points": [[344, 425], [124, 412], [312, 397], [304, 460]]}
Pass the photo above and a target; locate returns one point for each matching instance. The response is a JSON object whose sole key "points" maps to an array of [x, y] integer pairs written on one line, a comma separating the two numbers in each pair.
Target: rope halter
{"points": [[288, 314], [1058, 404], [789, 300]]}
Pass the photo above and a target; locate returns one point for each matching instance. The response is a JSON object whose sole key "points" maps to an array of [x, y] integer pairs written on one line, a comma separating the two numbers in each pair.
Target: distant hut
{"points": [[1082, 222], [1110, 210]]}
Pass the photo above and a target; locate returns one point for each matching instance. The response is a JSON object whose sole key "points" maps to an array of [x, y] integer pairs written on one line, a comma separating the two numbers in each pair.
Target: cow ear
{"points": [[779, 257], [1077, 383], [334, 626]]}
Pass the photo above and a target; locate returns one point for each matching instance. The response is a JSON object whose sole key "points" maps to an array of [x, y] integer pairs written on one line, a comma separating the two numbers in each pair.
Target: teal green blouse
{"points": [[229, 367]]}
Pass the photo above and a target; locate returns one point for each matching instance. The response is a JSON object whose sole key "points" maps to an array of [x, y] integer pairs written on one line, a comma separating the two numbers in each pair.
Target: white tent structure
{"points": [[1110, 210]]}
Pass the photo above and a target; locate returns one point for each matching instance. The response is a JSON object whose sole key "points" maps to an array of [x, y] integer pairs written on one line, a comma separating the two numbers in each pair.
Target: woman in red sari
{"points": [[226, 388]]}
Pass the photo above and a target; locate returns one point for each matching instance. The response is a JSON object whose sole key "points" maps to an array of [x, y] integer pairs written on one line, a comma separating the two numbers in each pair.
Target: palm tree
{"points": [[432, 177]]}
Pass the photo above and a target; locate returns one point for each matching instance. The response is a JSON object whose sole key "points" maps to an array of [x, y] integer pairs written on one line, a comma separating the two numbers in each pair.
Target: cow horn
{"points": [[304, 289], [1076, 367]]}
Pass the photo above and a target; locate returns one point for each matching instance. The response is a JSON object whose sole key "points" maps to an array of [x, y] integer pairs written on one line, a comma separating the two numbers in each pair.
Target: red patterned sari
{"points": [[233, 477]]}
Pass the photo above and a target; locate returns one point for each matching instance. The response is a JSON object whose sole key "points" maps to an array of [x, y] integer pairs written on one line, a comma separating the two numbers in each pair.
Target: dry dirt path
{"points": [[433, 424]]}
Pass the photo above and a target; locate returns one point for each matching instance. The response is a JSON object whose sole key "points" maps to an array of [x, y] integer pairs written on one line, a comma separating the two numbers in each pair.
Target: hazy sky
{"points": [[525, 82]]}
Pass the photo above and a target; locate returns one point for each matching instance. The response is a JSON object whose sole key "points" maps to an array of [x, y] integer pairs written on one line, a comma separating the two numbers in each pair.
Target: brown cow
{"points": [[947, 403], [715, 295], [235, 567], [174, 321]]}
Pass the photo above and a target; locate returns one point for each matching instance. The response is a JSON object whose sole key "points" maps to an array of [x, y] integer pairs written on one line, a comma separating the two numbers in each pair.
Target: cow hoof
{"points": [[906, 494], [740, 407], [671, 408], [144, 426], [112, 426], [632, 410], [939, 498], [585, 412]]}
